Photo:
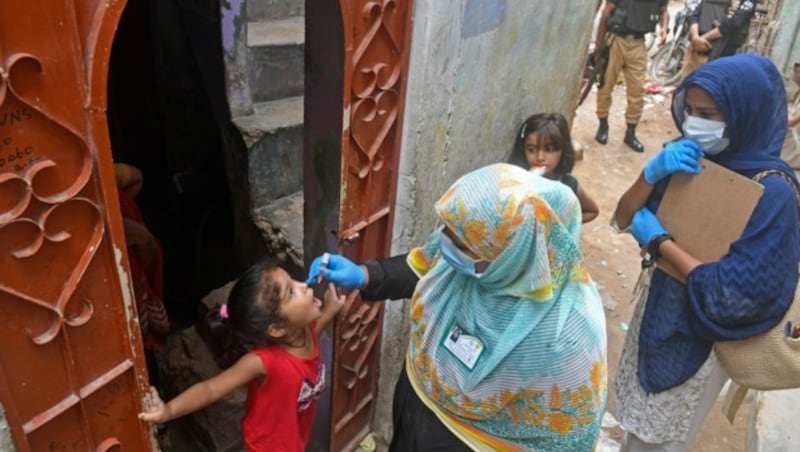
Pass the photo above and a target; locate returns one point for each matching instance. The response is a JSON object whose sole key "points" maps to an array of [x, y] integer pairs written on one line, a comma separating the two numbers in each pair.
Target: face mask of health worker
{"points": [[456, 257], [707, 133]]}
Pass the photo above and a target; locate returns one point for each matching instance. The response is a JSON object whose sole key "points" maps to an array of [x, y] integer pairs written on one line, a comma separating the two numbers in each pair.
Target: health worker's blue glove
{"points": [[645, 226], [340, 270], [681, 155]]}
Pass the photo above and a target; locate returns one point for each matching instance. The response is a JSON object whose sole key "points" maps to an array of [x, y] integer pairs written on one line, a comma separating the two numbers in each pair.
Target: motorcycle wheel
{"points": [[667, 62]]}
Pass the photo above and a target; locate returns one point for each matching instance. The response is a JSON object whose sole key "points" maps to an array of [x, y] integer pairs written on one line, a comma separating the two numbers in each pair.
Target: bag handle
{"points": [[782, 175], [737, 393]]}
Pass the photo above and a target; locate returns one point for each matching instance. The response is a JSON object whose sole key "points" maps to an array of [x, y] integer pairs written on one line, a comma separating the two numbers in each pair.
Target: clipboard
{"points": [[706, 212]]}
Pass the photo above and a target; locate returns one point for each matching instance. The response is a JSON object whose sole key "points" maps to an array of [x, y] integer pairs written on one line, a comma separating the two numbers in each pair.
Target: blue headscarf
{"points": [[748, 290], [749, 91]]}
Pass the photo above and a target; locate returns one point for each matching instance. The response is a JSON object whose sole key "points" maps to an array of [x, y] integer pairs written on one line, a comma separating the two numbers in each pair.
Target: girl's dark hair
{"points": [[551, 127], [252, 307]]}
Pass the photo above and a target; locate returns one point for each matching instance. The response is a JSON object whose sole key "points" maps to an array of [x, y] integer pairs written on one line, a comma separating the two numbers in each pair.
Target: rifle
{"points": [[594, 72]]}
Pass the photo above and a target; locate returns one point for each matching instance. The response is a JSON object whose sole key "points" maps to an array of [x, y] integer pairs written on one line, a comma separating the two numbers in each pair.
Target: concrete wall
{"points": [[6, 441], [785, 48], [786, 43], [772, 425], [478, 68]]}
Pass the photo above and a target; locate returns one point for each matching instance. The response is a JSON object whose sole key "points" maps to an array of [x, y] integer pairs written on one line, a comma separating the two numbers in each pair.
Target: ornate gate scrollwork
{"points": [[376, 35], [72, 373]]}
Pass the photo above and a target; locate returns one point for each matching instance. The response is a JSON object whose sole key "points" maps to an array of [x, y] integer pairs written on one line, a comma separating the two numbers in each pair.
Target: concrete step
{"points": [[276, 58], [281, 226], [270, 118], [275, 9], [280, 32], [274, 137], [773, 422]]}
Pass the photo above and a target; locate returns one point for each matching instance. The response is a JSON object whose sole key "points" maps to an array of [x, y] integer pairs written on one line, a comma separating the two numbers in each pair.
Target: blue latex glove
{"points": [[340, 270], [645, 226], [681, 155]]}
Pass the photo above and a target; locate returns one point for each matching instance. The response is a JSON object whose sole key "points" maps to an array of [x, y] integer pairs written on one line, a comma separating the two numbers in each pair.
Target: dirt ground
{"points": [[605, 172]]}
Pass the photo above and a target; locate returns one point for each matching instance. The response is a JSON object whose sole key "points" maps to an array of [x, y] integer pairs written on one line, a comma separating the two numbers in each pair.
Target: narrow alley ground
{"points": [[605, 172]]}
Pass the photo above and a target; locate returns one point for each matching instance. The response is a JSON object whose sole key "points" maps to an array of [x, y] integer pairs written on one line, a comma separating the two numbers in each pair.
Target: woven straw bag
{"points": [[767, 361], [770, 360]]}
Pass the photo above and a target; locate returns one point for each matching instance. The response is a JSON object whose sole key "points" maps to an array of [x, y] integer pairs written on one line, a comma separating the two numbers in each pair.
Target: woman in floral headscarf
{"points": [[508, 344]]}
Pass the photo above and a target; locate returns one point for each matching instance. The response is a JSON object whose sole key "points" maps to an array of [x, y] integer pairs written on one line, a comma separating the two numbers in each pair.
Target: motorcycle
{"points": [[667, 62]]}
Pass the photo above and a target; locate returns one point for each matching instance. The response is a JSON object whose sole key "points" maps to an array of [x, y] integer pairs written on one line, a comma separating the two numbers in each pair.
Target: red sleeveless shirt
{"points": [[280, 411]]}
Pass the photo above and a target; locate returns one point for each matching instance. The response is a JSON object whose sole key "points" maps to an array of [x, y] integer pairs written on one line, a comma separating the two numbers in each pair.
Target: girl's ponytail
{"points": [[221, 337], [240, 325]]}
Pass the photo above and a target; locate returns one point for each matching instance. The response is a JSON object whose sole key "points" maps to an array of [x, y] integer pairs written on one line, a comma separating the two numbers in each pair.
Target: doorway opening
{"points": [[166, 107]]}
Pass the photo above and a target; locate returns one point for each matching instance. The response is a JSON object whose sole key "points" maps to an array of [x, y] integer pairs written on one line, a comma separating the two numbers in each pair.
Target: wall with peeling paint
{"points": [[478, 68], [786, 44]]}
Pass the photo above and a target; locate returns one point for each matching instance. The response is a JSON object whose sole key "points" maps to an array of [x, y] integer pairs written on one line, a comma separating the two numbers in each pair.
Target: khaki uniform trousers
{"points": [[692, 61], [629, 55]]}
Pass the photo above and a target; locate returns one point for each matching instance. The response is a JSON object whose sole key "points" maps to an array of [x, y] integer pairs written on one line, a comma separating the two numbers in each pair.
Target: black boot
{"points": [[602, 131], [631, 140]]}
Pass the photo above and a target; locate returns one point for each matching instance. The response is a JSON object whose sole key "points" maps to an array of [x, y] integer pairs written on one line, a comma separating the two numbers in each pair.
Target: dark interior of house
{"points": [[164, 121]]}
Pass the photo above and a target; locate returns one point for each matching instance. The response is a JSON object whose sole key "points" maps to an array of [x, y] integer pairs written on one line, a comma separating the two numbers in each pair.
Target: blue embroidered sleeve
{"points": [[748, 290]]}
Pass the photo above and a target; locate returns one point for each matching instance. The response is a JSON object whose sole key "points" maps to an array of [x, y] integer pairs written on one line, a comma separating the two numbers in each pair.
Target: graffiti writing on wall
{"points": [[14, 156]]}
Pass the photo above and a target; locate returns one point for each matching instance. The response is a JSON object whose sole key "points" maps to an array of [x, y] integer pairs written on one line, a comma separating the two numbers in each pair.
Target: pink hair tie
{"points": [[223, 311]]}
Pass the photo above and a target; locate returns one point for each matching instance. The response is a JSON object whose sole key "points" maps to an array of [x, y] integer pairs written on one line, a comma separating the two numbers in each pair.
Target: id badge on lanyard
{"points": [[464, 346]]}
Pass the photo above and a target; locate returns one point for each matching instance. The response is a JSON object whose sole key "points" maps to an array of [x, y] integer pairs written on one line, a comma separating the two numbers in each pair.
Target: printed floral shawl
{"points": [[540, 382]]}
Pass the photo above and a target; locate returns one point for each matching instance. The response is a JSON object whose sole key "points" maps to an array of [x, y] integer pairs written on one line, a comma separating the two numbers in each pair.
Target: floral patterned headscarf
{"points": [[534, 311]]}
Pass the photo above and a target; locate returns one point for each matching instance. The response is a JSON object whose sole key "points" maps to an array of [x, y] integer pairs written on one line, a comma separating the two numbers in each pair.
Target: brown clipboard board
{"points": [[706, 212]]}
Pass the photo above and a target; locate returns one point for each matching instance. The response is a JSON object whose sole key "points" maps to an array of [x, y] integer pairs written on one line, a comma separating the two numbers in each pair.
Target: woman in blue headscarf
{"points": [[731, 111], [507, 347]]}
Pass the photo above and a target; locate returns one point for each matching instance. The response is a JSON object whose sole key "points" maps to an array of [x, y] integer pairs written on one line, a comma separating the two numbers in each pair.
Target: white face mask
{"points": [[707, 133]]}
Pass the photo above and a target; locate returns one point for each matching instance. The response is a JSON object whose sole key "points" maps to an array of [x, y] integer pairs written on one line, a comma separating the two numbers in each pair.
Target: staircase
{"points": [[263, 43]]}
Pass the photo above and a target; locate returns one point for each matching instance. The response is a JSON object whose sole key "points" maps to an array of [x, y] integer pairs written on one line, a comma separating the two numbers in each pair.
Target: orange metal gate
{"points": [[72, 373], [376, 41]]}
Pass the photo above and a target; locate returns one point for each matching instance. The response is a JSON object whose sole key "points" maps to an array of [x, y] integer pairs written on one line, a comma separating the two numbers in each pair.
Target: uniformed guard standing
{"points": [[622, 27], [716, 28]]}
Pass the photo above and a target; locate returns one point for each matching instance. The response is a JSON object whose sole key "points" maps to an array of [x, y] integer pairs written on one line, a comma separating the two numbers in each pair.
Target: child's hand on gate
{"points": [[157, 411]]}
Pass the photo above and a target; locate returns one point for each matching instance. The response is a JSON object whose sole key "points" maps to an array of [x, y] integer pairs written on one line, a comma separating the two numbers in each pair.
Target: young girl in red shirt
{"points": [[273, 320]]}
